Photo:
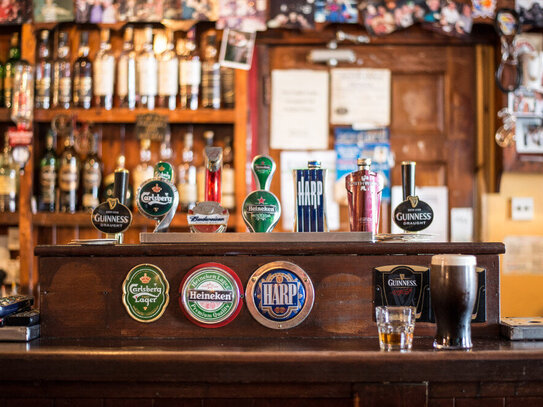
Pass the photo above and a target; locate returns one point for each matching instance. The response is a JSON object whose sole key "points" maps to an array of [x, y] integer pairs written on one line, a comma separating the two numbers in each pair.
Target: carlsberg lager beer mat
{"points": [[280, 295], [210, 295], [146, 293]]}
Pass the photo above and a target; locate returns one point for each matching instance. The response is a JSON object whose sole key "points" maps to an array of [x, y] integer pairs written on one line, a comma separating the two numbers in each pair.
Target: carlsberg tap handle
{"points": [[263, 168], [408, 178]]}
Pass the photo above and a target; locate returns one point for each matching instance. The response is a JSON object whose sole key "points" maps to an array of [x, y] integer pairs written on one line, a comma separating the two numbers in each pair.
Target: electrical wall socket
{"points": [[522, 208]]}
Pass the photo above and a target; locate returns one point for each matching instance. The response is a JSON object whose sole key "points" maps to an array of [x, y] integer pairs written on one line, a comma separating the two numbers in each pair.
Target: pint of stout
{"points": [[453, 288]]}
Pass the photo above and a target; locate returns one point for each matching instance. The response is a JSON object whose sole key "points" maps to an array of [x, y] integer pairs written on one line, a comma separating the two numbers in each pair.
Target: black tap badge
{"points": [[111, 217], [406, 286], [413, 214]]}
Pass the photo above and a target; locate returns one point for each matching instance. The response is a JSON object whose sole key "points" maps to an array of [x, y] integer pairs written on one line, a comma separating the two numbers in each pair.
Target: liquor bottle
{"points": [[166, 152], [62, 73], [109, 183], [2, 78], [14, 56], [42, 97], [68, 176], [187, 175], [8, 180], [227, 87], [143, 170], [92, 174], [82, 96], [189, 72], [104, 73], [228, 193], [168, 74], [147, 72], [201, 174], [48, 175], [126, 71], [211, 72]]}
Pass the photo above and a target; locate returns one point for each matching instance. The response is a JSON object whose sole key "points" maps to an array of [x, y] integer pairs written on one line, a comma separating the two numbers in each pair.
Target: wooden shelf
{"points": [[9, 219], [82, 219], [125, 115], [5, 114]]}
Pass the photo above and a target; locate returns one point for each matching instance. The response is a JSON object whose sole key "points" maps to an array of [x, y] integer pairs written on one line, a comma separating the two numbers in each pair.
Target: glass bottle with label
{"points": [[92, 174], [166, 151], [201, 174], [82, 96], [2, 78], [42, 97], [62, 73], [211, 72], [187, 175], [68, 176], [228, 181], [14, 56], [168, 74], [147, 72], [126, 71], [144, 170], [227, 87], [189, 72], [104, 72], [8, 180], [48, 175]]}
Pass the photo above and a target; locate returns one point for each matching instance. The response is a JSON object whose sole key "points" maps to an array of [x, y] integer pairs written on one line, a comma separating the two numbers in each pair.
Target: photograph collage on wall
{"points": [[15, 11], [448, 17], [293, 14], [52, 11], [336, 11], [242, 15], [530, 12]]}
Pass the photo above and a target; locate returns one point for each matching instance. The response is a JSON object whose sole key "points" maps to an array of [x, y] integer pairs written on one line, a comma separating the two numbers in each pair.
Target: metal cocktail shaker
{"points": [[453, 288]]}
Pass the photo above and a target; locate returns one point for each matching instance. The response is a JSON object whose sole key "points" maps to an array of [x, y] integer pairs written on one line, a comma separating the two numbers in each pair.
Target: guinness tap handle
{"points": [[408, 178], [120, 187]]}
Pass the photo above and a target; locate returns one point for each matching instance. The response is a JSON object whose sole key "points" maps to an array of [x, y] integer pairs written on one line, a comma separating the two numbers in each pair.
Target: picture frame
{"points": [[237, 49]]}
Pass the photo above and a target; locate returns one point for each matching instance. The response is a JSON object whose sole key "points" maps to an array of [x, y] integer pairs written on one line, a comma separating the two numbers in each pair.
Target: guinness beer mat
{"points": [[402, 285], [146, 293], [211, 295], [280, 295]]}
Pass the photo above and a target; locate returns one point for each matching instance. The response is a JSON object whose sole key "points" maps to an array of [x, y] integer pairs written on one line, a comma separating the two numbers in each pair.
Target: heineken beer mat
{"points": [[280, 295], [211, 295], [145, 293]]}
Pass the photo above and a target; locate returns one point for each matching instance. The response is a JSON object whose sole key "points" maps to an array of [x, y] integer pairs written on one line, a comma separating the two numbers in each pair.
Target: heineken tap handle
{"points": [[120, 187], [263, 168], [408, 178]]}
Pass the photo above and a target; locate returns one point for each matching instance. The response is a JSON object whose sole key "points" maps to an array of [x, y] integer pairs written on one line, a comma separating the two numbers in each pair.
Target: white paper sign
{"points": [[438, 199], [461, 224], [360, 97], [299, 110], [523, 254], [291, 160]]}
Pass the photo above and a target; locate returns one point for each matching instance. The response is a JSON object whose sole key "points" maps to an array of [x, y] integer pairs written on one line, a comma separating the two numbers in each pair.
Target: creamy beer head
{"points": [[453, 260]]}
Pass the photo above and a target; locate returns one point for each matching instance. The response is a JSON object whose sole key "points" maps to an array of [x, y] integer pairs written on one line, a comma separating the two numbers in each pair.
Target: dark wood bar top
{"points": [[271, 248]]}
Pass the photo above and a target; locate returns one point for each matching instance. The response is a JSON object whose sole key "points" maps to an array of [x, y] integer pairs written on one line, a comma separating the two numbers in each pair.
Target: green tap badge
{"points": [[261, 209]]}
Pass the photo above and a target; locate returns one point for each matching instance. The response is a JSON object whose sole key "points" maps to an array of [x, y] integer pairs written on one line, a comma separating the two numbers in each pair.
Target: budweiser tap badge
{"points": [[145, 293], [211, 295], [280, 295]]}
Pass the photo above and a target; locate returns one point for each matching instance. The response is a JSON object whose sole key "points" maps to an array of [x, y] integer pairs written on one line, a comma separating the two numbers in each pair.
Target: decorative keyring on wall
{"points": [[509, 74]]}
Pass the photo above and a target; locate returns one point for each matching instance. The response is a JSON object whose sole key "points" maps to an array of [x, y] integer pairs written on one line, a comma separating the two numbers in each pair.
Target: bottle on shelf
{"points": [[14, 56], [144, 170], [228, 180], [8, 180], [201, 174], [91, 174], [48, 175], [190, 69], [211, 72], [147, 72], [166, 151], [62, 73], [187, 175], [104, 73], [227, 87], [2, 78], [168, 74], [82, 92], [109, 183], [43, 72], [68, 176], [126, 71]]}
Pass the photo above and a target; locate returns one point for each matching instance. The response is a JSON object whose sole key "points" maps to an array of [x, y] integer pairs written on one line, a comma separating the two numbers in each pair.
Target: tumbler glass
{"points": [[395, 326]]}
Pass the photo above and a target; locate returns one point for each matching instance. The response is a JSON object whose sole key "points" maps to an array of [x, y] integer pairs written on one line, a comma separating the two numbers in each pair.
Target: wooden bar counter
{"points": [[92, 353]]}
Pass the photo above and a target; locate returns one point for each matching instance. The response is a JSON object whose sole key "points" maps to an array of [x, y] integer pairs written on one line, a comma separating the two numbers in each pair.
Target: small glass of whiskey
{"points": [[395, 326]]}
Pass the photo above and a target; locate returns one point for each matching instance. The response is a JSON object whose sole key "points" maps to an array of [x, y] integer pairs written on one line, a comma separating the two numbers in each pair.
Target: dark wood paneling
{"points": [[392, 394], [480, 402]]}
